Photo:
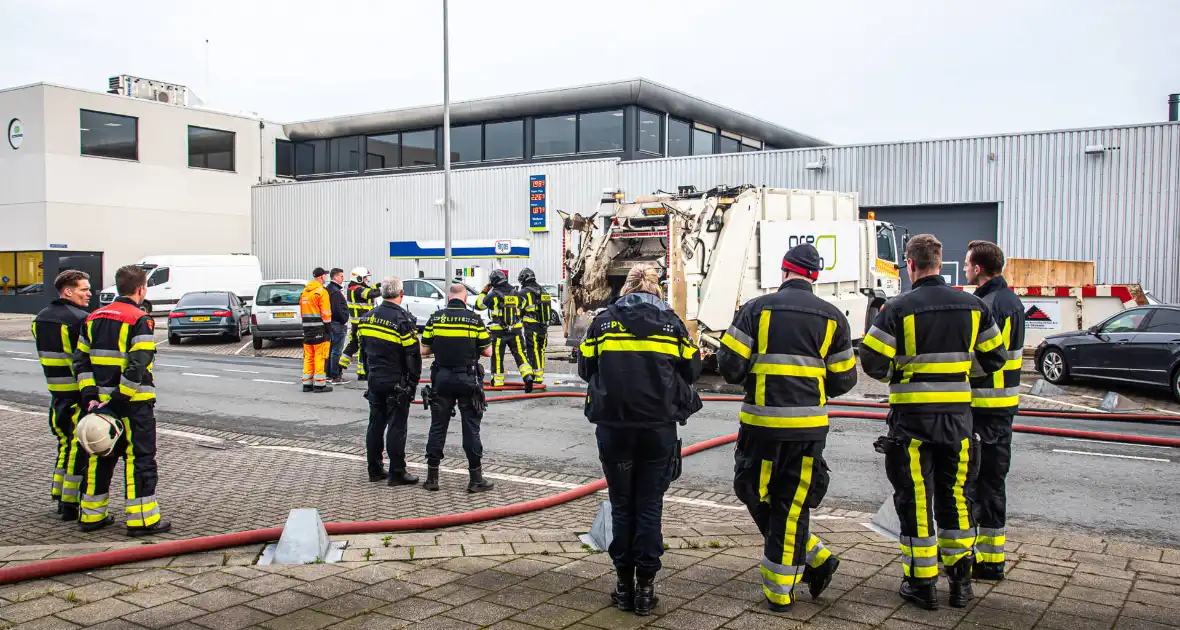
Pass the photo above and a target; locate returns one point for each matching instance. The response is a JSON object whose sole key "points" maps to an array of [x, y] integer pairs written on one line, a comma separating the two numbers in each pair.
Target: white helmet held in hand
{"points": [[360, 274], [98, 433]]}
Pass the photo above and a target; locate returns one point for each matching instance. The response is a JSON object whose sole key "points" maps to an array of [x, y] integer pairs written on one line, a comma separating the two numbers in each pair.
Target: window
{"points": [[284, 159], [885, 244], [1126, 322], [278, 295], [679, 138], [210, 148], [418, 148], [600, 131], [344, 155], [22, 272], [504, 140], [414, 288], [726, 144], [1165, 320], [702, 142], [556, 135], [649, 132], [158, 277], [383, 152], [109, 135], [311, 158], [204, 300], [749, 149], [466, 143]]}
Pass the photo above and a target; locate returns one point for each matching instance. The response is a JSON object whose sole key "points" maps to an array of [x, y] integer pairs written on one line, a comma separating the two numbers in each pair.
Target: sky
{"points": [[846, 71]]}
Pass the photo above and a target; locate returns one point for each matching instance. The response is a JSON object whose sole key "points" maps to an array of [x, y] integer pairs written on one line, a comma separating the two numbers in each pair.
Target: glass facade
{"points": [[383, 151], [702, 142], [728, 145], [109, 135], [210, 148], [679, 138], [555, 135], [284, 158], [418, 148], [466, 144], [504, 140], [600, 131], [649, 132]]}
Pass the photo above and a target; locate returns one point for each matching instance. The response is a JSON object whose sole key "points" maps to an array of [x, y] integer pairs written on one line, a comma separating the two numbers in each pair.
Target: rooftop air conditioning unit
{"points": [[148, 90]]}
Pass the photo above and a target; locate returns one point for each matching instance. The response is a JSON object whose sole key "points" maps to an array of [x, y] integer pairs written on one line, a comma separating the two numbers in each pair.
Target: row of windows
{"points": [[116, 136], [685, 138]]}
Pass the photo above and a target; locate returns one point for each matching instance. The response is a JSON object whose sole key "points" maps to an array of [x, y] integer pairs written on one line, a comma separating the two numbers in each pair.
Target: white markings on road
{"points": [[24, 411], [1148, 459], [200, 375], [192, 436], [17, 352], [244, 346], [23, 359], [240, 371], [263, 380], [1119, 443], [173, 365]]}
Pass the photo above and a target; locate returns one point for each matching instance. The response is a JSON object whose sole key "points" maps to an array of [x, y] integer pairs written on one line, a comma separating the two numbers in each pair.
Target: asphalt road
{"points": [[1123, 490]]}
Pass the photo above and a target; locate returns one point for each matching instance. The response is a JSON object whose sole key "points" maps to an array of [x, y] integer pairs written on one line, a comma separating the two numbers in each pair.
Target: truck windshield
{"points": [[886, 249]]}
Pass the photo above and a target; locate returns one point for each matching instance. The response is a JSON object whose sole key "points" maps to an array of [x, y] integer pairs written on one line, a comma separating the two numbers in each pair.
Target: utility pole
{"points": [[450, 263]]}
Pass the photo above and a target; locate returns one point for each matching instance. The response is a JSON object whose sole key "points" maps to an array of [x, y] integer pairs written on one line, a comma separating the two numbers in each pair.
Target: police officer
{"points": [[457, 337], [639, 365], [113, 361], [792, 350], [994, 403], [360, 297], [393, 361], [923, 344], [55, 330], [502, 302], [538, 312]]}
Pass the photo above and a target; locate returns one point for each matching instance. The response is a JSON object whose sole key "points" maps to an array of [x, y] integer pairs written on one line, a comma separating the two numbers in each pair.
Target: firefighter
{"points": [[113, 361], [994, 403], [361, 297], [55, 330], [639, 365], [792, 350], [393, 361], [316, 311], [503, 305], [457, 337], [923, 344], [538, 312]]}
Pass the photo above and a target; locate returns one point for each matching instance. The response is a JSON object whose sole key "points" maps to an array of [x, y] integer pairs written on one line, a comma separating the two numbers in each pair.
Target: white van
{"points": [[170, 277]]}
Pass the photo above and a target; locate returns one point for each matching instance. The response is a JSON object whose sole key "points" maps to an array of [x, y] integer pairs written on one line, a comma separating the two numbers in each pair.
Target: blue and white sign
{"points": [[501, 248], [538, 205]]}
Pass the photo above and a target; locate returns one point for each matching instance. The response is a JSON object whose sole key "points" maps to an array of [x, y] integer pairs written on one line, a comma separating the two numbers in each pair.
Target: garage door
{"points": [[954, 225]]}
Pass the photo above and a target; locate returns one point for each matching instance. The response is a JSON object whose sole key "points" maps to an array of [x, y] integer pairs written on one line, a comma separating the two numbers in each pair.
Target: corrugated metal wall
{"points": [[350, 222], [1119, 208]]}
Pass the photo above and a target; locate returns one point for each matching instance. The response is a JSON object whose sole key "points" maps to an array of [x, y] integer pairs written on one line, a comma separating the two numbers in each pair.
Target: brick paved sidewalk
{"points": [[529, 580]]}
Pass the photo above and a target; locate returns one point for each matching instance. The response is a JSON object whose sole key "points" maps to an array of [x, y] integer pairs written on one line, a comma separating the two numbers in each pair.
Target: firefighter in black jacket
{"points": [[361, 298], [792, 351], [923, 343], [538, 311], [393, 361], [55, 330], [639, 365], [504, 310], [994, 402], [457, 337], [113, 361]]}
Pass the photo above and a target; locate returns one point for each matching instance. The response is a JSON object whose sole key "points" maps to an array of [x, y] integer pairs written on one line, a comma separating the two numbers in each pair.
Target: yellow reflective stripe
{"points": [[920, 507], [142, 396], [990, 344], [843, 366], [86, 382], [975, 315], [952, 367], [588, 348], [55, 362], [828, 334], [738, 347], [124, 335], [796, 507], [127, 391], [930, 397], [138, 509], [764, 481], [991, 403], [379, 334], [687, 350], [772, 422], [63, 387], [919, 552], [65, 339], [763, 343], [637, 345], [113, 361], [823, 393], [879, 346], [778, 369], [994, 558], [129, 462], [627, 335], [961, 484], [911, 344], [144, 345], [463, 334]]}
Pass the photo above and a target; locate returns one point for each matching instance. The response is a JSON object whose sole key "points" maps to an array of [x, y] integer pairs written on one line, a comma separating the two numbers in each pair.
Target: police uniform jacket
{"points": [[55, 330], [457, 336], [1000, 392], [639, 364], [793, 351], [924, 342], [115, 352], [392, 355], [503, 304], [536, 305], [361, 298]]}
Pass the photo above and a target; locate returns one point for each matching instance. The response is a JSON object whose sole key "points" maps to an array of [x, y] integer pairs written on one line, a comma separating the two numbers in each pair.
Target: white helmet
{"points": [[98, 433], [360, 274]]}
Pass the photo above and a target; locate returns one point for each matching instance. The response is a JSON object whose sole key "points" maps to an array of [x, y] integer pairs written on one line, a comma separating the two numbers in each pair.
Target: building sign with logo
{"points": [[1041, 314], [16, 133], [838, 243], [538, 208], [490, 248]]}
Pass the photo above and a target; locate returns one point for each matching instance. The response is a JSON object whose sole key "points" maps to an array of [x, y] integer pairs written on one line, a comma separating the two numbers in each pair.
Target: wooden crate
{"points": [[1035, 272]]}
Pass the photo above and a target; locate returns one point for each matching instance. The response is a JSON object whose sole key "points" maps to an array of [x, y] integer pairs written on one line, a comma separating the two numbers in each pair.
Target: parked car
{"points": [[424, 296], [1138, 345], [275, 314], [208, 314], [173, 276]]}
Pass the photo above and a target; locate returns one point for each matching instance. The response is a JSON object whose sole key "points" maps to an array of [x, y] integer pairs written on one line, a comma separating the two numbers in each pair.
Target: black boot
{"points": [[477, 483], [431, 478], [645, 594], [322, 389], [988, 571], [923, 593], [402, 478], [69, 512], [959, 577], [159, 527], [94, 527], [380, 475], [624, 595], [821, 577], [528, 384], [307, 388], [362, 377]]}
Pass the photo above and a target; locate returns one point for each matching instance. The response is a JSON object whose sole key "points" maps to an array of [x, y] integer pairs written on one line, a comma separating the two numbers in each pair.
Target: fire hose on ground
{"points": [[50, 568]]}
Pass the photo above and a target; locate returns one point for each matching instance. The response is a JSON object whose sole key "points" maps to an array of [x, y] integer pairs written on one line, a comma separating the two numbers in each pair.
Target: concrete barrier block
{"points": [[601, 530], [304, 539], [1114, 401], [1045, 389]]}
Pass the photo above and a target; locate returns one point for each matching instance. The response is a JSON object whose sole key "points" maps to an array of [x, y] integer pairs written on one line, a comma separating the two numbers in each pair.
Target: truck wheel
{"points": [[146, 307], [257, 342]]}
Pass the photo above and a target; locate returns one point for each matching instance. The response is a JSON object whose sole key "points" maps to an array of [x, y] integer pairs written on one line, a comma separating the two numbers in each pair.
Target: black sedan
{"points": [[208, 314], [1139, 345]]}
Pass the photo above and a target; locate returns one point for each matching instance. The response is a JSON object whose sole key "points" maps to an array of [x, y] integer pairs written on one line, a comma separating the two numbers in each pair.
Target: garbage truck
{"points": [[720, 248]]}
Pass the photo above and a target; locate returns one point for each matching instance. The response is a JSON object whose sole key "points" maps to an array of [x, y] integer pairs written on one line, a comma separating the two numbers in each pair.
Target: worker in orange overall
{"points": [[315, 309]]}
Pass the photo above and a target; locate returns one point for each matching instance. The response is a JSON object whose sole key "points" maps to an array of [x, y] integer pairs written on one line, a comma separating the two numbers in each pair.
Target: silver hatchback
{"points": [[275, 314]]}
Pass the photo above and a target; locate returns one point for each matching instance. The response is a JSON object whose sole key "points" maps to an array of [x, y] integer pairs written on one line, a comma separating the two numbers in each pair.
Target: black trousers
{"points": [[930, 479], [502, 344], [989, 492], [451, 388], [781, 482], [637, 463], [351, 350], [388, 417], [536, 340], [137, 448], [63, 418]]}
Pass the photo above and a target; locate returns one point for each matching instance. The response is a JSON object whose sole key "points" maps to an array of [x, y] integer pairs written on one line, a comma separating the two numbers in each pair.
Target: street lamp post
{"points": [[450, 263]]}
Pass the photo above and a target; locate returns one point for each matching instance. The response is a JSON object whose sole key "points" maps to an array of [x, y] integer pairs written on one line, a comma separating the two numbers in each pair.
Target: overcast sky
{"points": [[844, 71]]}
